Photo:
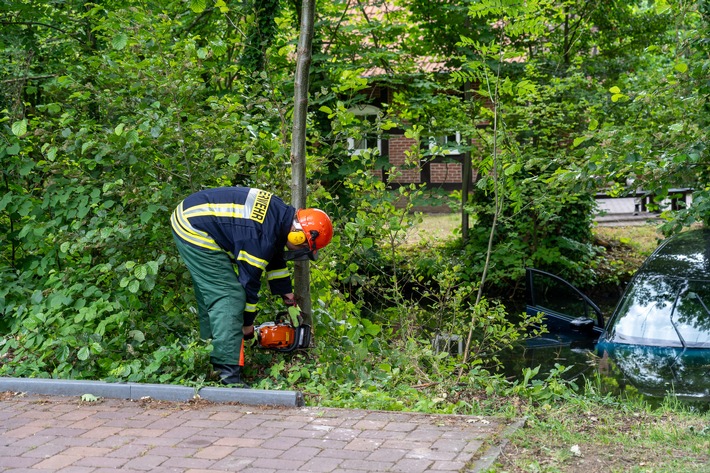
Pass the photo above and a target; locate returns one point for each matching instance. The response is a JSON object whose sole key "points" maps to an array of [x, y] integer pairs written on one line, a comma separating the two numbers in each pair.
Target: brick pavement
{"points": [[63, 434]]}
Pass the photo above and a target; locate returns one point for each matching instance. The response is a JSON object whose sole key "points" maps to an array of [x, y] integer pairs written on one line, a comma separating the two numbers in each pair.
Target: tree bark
{"points": [[302, 273]]}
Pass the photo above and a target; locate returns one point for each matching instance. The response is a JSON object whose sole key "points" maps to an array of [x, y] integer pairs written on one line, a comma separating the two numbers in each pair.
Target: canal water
{"points": [[582, 364]]}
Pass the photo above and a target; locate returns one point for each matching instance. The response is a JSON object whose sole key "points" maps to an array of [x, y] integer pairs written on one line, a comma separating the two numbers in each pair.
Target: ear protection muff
{"points": [[297, 238]]}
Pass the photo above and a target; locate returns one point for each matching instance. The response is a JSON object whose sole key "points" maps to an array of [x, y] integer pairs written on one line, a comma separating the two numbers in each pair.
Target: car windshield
{"points": [[691, 316], [664, 311]]}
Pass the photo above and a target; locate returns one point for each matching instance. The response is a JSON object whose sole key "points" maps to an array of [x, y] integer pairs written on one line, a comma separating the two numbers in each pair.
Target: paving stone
{"points": [[58, 434]]}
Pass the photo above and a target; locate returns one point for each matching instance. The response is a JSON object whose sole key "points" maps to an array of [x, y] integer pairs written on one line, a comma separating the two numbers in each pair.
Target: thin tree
{"points": [[302, 273]]}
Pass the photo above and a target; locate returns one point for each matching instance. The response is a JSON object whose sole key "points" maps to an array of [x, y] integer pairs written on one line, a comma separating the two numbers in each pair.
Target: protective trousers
{"points": [[221, 300]]}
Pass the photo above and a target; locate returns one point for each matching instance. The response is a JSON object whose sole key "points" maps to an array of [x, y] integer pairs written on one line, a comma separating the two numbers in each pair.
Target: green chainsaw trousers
{"points": [[221, 300]]}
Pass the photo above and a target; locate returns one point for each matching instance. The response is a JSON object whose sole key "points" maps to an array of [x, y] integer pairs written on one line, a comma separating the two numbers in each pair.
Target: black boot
{"points": [[230, 375]]}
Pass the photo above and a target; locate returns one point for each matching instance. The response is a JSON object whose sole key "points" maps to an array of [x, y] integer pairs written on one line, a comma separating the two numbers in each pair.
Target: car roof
{"points": [[686, 255]]}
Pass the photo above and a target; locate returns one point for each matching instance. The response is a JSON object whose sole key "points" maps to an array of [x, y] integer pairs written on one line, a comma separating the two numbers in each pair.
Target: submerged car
{"points": [[659, 333]]}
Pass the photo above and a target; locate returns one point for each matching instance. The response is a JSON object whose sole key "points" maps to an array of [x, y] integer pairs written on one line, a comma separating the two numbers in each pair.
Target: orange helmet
{"points": [[317, 227]]}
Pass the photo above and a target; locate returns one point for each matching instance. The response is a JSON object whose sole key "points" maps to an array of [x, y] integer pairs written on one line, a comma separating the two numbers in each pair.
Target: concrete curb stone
{"points": [[136, 391]]}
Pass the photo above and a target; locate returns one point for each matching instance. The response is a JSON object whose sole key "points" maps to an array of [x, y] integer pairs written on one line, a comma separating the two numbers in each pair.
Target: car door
{"points": [[568, 313]]}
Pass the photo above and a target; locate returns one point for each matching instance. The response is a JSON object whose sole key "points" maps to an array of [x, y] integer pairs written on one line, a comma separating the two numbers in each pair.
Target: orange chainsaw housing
{"points": [[277, 336]]}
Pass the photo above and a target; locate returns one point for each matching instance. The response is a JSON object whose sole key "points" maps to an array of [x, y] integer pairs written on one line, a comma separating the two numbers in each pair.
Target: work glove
{"points": [[248, 332], [289, 300]]}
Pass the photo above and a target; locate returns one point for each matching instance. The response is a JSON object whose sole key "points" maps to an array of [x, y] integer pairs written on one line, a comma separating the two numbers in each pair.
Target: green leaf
{"points": [[83, 355], [19, 128], [681, 67], [27, 168], [152, 267], [578, 141], [5, 200], [89, 398], [86, 146], [37, 297], [13, 150], [615, 90], [293, 313], [141, 272], [134, 286], [137, 335], [119, 129], [198, 6], [119, 41]]}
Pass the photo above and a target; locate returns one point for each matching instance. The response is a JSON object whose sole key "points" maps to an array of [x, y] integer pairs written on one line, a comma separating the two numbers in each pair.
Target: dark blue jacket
{"points": [[250, 225]]}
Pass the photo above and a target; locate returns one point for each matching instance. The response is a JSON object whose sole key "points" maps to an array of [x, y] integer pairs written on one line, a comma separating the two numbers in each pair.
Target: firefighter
{"points": [[228, 237]]}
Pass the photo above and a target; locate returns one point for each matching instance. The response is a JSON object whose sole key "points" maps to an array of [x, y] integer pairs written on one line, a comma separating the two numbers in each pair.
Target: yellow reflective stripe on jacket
{"points": [[188, 233], [252, 260], [277, 273], [250, 307]]}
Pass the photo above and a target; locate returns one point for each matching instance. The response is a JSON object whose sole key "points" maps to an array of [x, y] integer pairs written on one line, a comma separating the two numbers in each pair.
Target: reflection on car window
{"points": [[645, 316], [691, 316], [558, 297]]}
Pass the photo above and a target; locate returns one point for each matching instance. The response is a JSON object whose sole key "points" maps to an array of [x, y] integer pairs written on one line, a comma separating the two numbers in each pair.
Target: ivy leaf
{"points": [[19, 128]]}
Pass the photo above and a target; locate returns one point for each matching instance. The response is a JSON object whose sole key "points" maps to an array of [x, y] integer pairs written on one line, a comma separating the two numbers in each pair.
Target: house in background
{"points": [[444, 171]]}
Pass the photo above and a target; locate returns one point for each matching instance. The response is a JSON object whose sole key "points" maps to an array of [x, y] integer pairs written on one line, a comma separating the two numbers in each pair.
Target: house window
{"points": [[360, 145], [451, 144], [367, 113]]}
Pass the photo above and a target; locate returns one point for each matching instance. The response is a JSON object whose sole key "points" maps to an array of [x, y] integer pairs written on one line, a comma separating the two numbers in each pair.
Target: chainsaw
{"points": [[285, 334]]}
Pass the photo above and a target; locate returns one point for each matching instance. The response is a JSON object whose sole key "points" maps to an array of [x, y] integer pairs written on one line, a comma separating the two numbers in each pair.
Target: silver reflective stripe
{"points": [[217, 210], [278, 273]]}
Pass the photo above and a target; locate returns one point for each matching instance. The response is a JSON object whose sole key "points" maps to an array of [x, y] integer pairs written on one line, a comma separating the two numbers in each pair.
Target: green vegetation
{"points": [[111, 113]]}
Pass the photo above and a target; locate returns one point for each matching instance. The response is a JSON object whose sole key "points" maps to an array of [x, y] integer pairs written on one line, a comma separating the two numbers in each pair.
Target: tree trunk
{"points": [[302, 273]]}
